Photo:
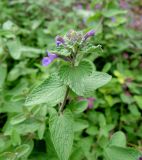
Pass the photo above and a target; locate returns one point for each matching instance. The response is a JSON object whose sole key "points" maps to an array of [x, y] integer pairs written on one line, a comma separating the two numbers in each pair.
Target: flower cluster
{"points": [[59, 41], [70, 40]]}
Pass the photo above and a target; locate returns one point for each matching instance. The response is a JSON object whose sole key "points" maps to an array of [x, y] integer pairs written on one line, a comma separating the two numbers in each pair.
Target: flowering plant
{"points": [[75, 75]]}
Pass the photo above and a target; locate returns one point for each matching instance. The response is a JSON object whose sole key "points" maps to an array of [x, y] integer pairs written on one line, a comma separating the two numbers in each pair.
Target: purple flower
{"points": [[123, 4], [113, 19], [140, 158], [59, 41], [89, 34], [88, 7], [125, 55], [90, 101], [98, 6], [52, 56], [46, 61], [79, 6]]}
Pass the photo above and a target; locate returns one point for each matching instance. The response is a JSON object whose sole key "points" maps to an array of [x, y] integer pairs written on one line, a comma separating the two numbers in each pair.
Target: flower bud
{"points": [[59, 41], [89, 34]]}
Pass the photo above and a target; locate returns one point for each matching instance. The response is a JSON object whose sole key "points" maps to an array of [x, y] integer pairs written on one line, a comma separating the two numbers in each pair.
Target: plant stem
{"points": [[64, 101]]}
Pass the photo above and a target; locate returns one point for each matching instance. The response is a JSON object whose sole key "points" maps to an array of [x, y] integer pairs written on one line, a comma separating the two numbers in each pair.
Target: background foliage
{"points": [[27, 30]]}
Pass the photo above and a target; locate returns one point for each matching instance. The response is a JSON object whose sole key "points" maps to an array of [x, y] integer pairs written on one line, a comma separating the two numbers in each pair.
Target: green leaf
{"points": [[8, 156], [18, 119], [62, 134], [118, 139], [138, 100], [14, 47], [3, 73], [120, 153], [74, 76], [49, 146], [61, 51], [15, 138], [5, 142], [78, 107], [41, 130], [50, 91], [107, 67], [93, 49], [80, 125], [96, 80], [113, 12], [22, 150]]}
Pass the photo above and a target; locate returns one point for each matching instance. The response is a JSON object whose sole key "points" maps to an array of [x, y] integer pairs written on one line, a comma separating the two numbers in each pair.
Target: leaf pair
{"points": [[82, 79]]}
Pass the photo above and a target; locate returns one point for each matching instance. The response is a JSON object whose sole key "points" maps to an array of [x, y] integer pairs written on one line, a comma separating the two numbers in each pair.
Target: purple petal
{"points": [[98, 6], [90, 102], [123, 4], [59, 40], [89, 34], [52, 56], [46, 61], [113, 19], [79, 6], [140, 158]]}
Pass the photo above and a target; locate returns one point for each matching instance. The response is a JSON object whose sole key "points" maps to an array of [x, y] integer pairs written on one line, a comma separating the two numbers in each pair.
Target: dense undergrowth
{"points": [[27, 31]]}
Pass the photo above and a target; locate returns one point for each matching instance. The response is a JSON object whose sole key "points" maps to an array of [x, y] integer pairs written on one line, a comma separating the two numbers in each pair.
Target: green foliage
{"points": [[75, 76], [36, 129], [118, 153], [51, 92], [62, 134]]}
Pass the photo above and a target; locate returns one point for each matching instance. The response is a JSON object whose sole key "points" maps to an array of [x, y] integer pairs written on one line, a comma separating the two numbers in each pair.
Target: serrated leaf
{"points": [[118, 139], [120, 153], [95, 81], [74, 76], [50, 91], [92, 49], [61, 51], [62, 134], [50, 148]]}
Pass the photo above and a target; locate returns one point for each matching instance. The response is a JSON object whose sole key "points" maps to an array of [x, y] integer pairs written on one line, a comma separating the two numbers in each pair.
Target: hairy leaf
{"points": [[62, 134], [74, 76], [120, 153], [96, 80], [51, 92]]}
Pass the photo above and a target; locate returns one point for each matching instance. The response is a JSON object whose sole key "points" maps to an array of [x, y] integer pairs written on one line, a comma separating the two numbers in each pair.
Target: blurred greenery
{"points": [[27, 29]]}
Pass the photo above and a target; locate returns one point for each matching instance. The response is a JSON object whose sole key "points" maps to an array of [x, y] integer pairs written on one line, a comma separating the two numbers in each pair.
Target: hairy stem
{"points": [[64, 101]]}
